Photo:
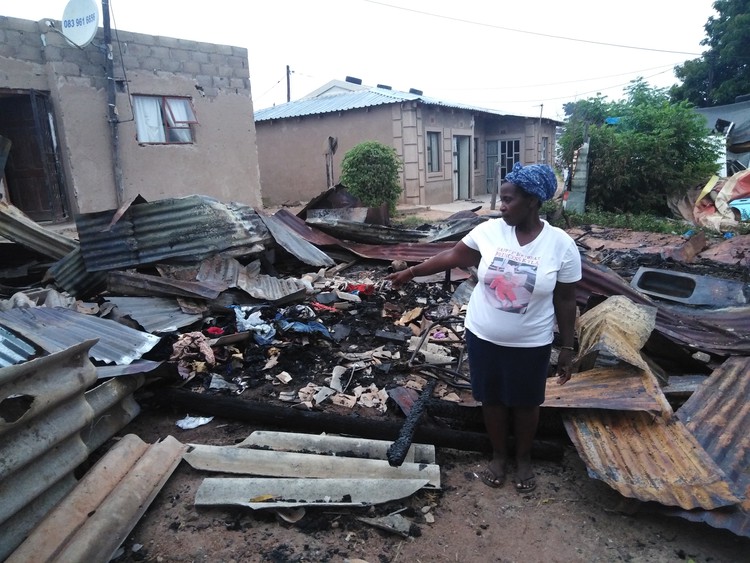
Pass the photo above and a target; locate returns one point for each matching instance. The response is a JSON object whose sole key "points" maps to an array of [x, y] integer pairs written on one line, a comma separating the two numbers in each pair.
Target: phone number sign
{"points": [[80, 21]]}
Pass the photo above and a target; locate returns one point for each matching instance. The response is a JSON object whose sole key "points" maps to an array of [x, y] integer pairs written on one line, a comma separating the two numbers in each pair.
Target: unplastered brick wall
{"points": [[215, 68]]}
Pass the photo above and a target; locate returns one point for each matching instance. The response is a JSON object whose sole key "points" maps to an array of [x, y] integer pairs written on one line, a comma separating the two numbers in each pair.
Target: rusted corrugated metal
{"points": [[134, 284], [13, 350], [648, 458], [614, 388], [616, 328], [154, 314], [718, 331], [410, 252], [50, 425], [16, 226], [191, 227], [718, 415], [55, 329]]}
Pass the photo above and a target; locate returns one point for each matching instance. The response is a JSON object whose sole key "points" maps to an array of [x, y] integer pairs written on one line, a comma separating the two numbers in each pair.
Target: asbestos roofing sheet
{"points": [[97, 516], [648, 458], [718, 415], [55, 329], [154, 314], [19, 228], [613, 388], [194, 226]]}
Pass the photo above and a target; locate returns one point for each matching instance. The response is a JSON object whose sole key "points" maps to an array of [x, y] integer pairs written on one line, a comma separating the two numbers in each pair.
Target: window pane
{"points": [[433, 151], [148, 121], [179, 110]]}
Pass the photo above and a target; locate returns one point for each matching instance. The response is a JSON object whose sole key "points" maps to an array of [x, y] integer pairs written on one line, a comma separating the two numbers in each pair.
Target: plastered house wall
{"points": [[222, 162]]}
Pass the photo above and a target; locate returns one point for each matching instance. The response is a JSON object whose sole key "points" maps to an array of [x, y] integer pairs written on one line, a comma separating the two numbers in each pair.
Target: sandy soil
{"points": [[569, 517]]}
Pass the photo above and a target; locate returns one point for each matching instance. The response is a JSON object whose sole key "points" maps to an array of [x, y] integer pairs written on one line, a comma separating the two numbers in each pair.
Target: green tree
{"points": [[653, 150], [370, 171], [723, 71]]}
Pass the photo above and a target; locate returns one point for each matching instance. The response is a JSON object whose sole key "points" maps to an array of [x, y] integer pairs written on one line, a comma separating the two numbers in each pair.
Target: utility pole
{"points": [[539, 136], [288, 84], [112, 104]]}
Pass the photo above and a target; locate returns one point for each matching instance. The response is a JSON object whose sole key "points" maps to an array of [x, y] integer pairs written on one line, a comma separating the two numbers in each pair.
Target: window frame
{"points": [[172, 125], [433, 150]]}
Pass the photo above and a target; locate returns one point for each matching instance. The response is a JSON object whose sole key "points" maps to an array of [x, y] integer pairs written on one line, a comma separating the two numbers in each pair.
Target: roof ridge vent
{"points": [[415, 92], [354, 80]]}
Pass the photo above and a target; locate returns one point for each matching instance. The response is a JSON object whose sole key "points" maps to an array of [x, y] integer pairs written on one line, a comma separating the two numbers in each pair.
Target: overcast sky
{"points": [[525, 57]]}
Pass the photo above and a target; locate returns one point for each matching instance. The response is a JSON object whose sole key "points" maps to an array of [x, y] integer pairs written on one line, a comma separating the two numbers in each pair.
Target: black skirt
{"points": [[504, 375]]}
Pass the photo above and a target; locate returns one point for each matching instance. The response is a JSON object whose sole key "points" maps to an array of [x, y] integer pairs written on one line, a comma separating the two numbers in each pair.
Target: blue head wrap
{"points": [[536, 179]]}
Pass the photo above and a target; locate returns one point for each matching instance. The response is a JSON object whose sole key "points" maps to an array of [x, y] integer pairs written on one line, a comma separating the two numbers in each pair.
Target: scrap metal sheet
{"points": [[411, 252], [295, 244], [718, 415], [128, 283], [719, 331], [648, 458], [13, 349], [190, 227], [154, 314], [55, 329], [614, 388]]}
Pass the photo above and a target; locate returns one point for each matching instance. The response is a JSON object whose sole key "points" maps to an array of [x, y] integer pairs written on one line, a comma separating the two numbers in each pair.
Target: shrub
{"points": [[370, 171]]}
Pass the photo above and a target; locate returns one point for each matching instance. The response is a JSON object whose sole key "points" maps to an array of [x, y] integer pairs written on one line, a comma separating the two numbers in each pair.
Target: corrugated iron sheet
{"points": [[718, 415], [191, 227], [55, 329], [154, 314], [359, 99], [50, 425], [295, 244], [613, 388], [410, 252], [648, 458], [617, 328], [13, 349], [70, 274], [134, 284], [16, 226]]}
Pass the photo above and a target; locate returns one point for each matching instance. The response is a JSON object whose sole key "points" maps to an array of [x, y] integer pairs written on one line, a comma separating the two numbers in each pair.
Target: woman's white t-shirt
{"points": [[512, 302]]}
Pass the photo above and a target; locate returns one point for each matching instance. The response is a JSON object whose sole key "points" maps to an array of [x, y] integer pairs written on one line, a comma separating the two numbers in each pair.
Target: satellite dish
{"points": [[80, 22]]}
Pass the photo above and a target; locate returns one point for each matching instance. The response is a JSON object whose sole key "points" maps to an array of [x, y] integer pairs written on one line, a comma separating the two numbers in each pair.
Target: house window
{"points": [[476, 153], [544, 150], [433, 151], [163, 119]]}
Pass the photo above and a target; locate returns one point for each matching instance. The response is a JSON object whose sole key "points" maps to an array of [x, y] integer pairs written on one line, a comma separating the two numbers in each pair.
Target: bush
{"points": [[370, 171]]}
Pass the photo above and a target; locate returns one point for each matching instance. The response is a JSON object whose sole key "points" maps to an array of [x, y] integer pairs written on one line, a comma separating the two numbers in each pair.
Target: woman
{"points": [[527, 271]]}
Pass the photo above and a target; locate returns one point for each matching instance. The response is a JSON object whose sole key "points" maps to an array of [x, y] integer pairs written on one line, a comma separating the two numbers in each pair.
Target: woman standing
{"points": [[527, 272]]}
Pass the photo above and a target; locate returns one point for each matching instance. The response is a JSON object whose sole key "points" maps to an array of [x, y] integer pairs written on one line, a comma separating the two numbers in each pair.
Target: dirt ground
{"points": [[569, 517]]}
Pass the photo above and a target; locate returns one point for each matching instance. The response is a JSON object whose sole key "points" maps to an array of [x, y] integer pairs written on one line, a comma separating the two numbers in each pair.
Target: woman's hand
{"points": [[399, 278], [564, 366]]}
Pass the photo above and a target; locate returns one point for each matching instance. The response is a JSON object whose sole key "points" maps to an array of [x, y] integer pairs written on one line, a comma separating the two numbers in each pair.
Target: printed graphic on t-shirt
{"points": [[509, 281]]}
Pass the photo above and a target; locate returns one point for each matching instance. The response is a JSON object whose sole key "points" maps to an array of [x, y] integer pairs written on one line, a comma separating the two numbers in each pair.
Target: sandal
{"points": [[526, 485], [492, 479]]}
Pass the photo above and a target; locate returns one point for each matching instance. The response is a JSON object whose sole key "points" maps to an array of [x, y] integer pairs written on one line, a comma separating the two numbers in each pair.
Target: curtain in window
{"points": [[179, 115], [148, 124]]}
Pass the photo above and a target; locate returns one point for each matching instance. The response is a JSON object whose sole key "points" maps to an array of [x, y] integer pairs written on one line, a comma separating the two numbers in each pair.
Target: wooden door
{"points": [[32, 172]]}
